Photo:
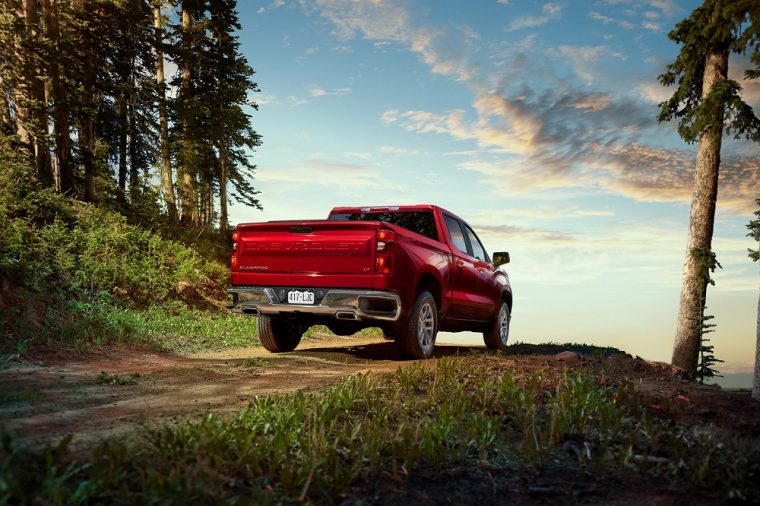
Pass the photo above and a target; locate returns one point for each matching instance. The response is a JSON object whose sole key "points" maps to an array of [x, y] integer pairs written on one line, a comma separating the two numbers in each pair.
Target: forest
{"points": [[90, 109]]}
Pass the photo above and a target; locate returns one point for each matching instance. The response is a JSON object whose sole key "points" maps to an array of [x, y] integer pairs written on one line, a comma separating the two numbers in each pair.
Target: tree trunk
{"points": [[701, 221], [122, 146], [87, 146], [223, 219], [166, 165], [134, 170], [60, 107], [38, 107], [189, 198], [21, 91], [756, 379]]}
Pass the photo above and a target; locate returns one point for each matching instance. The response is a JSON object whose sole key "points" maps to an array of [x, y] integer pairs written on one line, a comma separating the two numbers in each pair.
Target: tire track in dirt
{"points": [[41, 402]]}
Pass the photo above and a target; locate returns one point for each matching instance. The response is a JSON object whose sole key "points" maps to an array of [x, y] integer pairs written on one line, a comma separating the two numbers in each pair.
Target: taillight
{"points": [[234, 259], [384, 236], [383, 263], [383, 259]]}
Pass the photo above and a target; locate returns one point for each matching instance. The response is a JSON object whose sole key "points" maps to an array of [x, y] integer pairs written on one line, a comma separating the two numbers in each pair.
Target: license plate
{"points": [[296, 297]]}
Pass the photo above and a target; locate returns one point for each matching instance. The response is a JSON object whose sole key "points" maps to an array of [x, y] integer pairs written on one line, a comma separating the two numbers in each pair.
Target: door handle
{"points": [[459, 263]]}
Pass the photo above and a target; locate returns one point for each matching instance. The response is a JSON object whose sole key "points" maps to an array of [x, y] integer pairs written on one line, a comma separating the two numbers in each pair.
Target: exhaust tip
{"points": [[251, 311], [345, 315]]}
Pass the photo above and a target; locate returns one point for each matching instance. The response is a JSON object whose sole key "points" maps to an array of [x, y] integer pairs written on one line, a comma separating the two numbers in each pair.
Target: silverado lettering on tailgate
{"points": [[308, 247]]}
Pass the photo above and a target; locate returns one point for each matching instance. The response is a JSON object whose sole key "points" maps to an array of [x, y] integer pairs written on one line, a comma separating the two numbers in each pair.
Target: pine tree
{"points": [[163, 116], [229, 123], [704, 103]]}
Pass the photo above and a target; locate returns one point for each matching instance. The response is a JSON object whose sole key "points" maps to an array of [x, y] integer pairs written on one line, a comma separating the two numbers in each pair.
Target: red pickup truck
{"points": [[410, 270]]}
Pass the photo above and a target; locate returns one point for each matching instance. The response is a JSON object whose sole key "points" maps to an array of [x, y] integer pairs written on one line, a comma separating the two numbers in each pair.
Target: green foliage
{"points": [[715, 26], [754, 233], [315, 447], [707, 357], [706, 262], [81, 275]]}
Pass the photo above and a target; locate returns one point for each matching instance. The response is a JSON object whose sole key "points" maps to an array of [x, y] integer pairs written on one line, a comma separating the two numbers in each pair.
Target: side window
{"points": [[478, 251], [455, 231]]}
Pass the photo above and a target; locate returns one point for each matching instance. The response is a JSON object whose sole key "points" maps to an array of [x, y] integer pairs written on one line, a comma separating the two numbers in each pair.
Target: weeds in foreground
{"points": [[316, 447]]}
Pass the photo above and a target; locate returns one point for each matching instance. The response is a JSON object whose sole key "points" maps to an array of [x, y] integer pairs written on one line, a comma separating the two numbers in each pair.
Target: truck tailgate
{"points": [[309, 253]]}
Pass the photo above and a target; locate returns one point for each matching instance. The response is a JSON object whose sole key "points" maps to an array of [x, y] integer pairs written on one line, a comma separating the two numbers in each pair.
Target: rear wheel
{"points": [[279, 335], [415, 337], [497, 335]]}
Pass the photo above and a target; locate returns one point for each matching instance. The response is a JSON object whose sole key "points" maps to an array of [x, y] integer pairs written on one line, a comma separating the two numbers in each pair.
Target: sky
{"points": [[533, 121]]}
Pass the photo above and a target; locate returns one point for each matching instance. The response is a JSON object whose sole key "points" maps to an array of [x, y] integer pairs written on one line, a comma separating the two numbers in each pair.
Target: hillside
{"points": [[333, 423]]}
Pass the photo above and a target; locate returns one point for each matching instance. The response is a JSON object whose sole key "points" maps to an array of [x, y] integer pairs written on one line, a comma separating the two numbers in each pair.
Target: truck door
{"points": [[465, 276], [487, 293]]}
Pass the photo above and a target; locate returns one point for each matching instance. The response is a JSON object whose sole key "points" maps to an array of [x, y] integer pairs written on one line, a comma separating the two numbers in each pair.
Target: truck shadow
{"points": [[382, 351]]}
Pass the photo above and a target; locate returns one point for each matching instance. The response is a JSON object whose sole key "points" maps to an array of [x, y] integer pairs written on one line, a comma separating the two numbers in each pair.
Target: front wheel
{"points": [[497, 335], [415, 337], [279, 335]]}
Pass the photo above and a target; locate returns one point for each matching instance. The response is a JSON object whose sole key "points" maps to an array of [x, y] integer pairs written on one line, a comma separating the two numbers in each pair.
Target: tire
{"points": [[415, 337], [278, 336], [497, 335]]}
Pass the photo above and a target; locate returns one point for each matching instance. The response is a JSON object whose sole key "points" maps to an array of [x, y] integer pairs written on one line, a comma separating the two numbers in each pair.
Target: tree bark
{"points": [[189, 198], [756, 379], [134, 170], [87, 146], [166, 165], [122, 145], [21, 91], [223, 218], [60, 106], [38, 107], [701, 220]]}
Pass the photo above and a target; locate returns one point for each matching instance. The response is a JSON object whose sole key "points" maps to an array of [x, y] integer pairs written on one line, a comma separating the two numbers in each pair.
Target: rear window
{"points": [[420, 222]]}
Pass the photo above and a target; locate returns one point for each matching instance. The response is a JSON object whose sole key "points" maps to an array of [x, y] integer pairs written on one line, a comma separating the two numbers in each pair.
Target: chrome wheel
{"points": [[504, 324], [426, 326], [497, 334], [415, 335]]}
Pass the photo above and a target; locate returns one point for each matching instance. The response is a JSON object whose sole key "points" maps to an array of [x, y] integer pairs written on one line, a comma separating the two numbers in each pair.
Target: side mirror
{"points": [[500, 258]]}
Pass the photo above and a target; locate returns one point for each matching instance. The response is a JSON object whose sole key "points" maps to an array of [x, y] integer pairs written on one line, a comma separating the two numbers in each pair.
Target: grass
{"points": [[350, 439]]}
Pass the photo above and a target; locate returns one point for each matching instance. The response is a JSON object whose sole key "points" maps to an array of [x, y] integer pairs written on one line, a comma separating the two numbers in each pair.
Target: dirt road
{"points": [[95, 397]]}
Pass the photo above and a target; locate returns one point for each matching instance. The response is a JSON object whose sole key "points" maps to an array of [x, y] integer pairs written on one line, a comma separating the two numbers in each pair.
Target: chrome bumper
{"points": [[340, 304]]}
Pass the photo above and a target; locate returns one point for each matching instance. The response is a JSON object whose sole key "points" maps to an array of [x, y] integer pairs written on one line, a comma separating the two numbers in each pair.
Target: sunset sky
{"points": [[535, 122]]}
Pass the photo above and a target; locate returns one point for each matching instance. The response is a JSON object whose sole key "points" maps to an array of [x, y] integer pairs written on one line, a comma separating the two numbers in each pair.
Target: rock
{"points": [[566, 356], [186, 290]]}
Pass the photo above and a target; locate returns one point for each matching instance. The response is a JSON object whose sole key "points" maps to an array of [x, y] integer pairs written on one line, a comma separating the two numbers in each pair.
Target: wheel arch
{"points": [[506, 296], [430, 282]]}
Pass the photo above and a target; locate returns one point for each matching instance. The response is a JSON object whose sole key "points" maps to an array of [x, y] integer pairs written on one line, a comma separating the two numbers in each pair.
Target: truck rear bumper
{"points": [[339, 303]]}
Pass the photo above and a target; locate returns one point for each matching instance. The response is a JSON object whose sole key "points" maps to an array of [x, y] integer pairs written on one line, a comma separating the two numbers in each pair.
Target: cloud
{"points": [[654, 92], [317, 91], [606, 20], [669, 8], [529, 234], [294, 101], [584, 60], [389, 22], [652, 27], [392, 150], [343, 177], [583, 140], [550, 12]]}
